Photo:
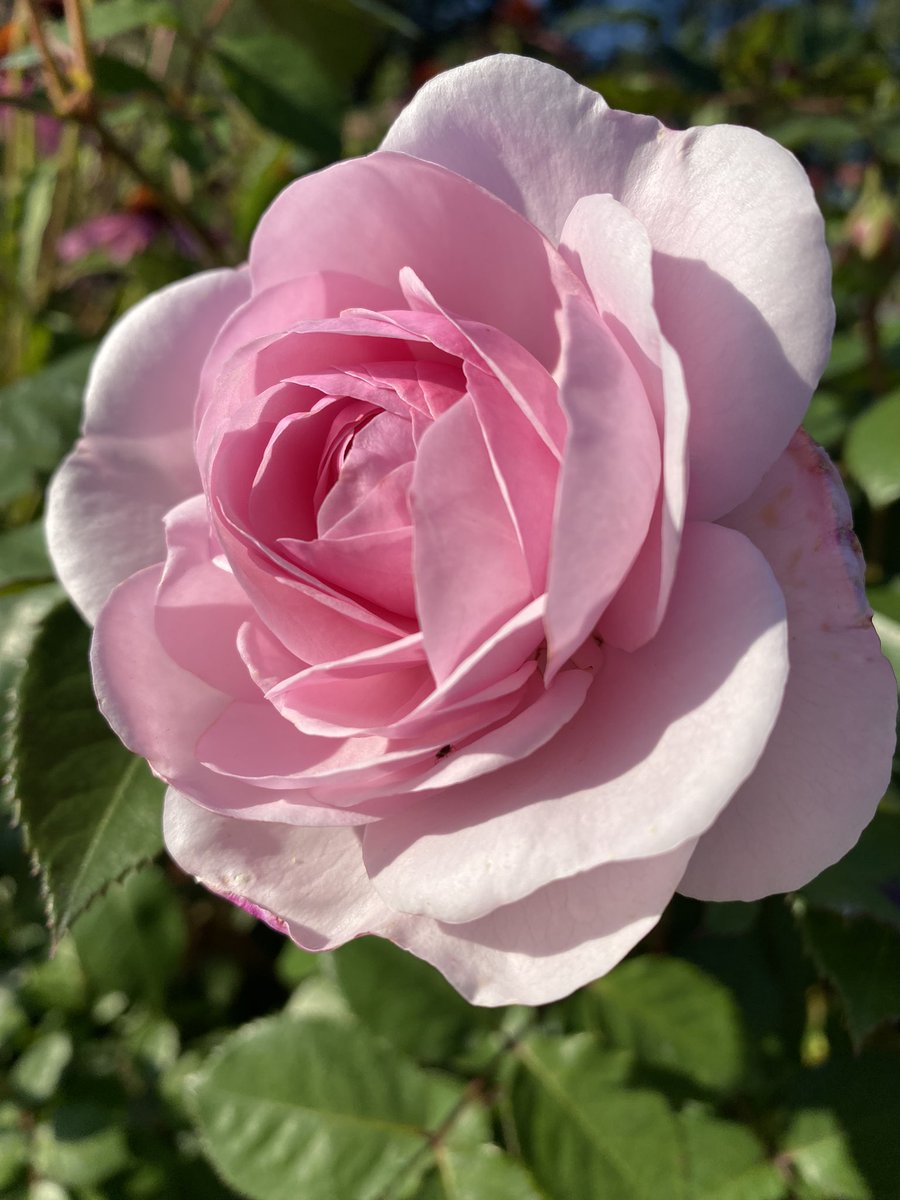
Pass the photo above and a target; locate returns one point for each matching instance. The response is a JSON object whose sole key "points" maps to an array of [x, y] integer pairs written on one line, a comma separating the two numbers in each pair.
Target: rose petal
{"points": [[608, 484], [311, 884], [308, 876], [665, 737], [548, 944], [159, 711], [200, 607], [135, 461], [613, 253], [731, 216], [469, 571], [828, 761], [405, 202]]}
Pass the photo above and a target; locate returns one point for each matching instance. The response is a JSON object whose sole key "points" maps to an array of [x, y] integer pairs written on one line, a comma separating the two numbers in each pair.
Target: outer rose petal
{"points": [[159, 711], [135, 461], [828, 761], [663, 739], [730, 213], [311, 884]]}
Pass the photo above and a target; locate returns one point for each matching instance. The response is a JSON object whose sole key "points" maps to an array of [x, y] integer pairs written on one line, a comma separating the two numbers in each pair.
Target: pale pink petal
{"points": [[378, 449], [355, 694], [159, 711], [608, 485], [373, 216], [283, 363], [135, 461], [741, 268], [310, 877], [308, 298], [313, 620], [548, 944], [311, 884], [611, 250], [469, 571], [255, 743], [200, 607], [375, 567], [384, 507], [526, 381], [666, 736], [828, 761], [541, 712]]}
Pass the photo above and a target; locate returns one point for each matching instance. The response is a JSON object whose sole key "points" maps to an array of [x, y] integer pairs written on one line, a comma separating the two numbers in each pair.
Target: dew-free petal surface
{"points": [[488, 263], [311, 884], [135, 459], [828, 761], [664, 738], [741, 269]]}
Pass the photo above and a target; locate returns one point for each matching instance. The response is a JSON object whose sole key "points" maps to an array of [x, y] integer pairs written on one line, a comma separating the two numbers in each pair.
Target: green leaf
{"points": [[861, 957], [111, 18], [81, 1147], [726, 1161], [413, 1006], [819, 1152], [56, 984], [116, 77], [674, 1018], [872, 450], [842, 1138], [132, 939], [38, 205], [888, 631], [827, 418], [37, 1073], [13, 1020], [866, 882], [585, 1135], [342, 35], [293, 965], [21, 614], [39, 420], [315, 1108], [284, 88], [23, 555], [482, 1173], [90, 810], [848, 354], [13, 1156]]}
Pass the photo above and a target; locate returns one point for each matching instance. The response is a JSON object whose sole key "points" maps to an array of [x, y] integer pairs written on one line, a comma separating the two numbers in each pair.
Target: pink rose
{"points": [[457, 562]]}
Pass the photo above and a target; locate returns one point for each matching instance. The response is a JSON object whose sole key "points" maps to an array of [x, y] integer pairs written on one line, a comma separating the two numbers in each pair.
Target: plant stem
{"points": [[80, 105], [80, 44], [167, 200], [53, 79]]}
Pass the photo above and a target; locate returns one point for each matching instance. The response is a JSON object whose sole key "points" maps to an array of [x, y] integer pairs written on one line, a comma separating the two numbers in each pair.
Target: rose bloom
{"points": [[457, 562]]}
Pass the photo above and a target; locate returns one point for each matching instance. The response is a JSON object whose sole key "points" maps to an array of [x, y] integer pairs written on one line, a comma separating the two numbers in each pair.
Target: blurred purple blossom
{"points": [[120, 235]]}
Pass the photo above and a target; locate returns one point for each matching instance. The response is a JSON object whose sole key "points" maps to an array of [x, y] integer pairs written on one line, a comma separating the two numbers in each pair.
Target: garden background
{"points": [[157, 1043]]}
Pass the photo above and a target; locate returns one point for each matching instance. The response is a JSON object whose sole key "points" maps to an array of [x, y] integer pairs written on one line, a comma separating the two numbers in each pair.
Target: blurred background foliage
{"points": [[171, 1046]]}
